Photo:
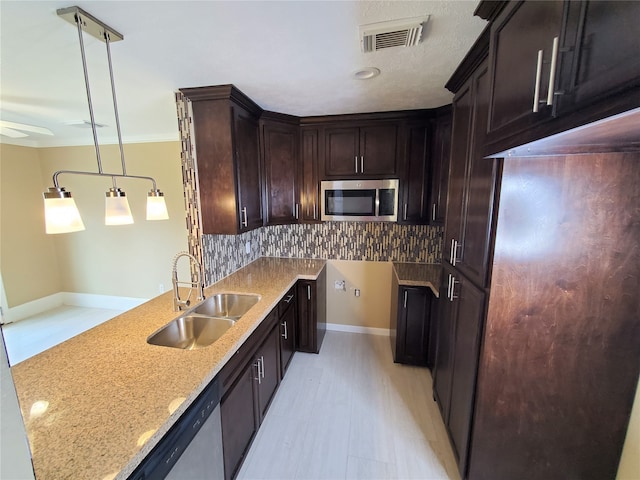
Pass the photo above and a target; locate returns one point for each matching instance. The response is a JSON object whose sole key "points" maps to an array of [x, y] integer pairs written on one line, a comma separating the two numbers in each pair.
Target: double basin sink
{"points": [[205, 323]]}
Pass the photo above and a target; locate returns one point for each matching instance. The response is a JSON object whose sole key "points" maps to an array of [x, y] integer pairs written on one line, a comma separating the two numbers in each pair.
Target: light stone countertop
{"points": [[419, 275], [95, 405]]}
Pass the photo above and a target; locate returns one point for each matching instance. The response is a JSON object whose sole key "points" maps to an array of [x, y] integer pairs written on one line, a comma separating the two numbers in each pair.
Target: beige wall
{"points": [[129, 260], [371, 309], [28, 261]]}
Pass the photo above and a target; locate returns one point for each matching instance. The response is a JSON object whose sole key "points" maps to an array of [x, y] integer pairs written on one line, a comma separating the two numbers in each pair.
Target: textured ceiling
{"points": [[295, 57]]}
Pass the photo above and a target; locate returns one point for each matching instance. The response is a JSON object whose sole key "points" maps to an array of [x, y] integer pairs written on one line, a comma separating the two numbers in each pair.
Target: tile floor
{"points": [[30, 336], [351, 413]]}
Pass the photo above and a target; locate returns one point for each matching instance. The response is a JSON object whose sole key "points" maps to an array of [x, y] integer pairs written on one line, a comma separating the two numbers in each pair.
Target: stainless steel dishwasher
{"points": [[192, 449]]}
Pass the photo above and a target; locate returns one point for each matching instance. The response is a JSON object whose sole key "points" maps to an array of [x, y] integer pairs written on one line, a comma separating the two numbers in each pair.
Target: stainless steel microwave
{"points": [[359, 200]]}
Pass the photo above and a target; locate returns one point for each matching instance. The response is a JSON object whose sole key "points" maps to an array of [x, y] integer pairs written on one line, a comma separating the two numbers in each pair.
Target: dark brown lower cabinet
{"points": [[288, 321], [247, 398], [312, 322], [412, 331], [239, 419], [456, 368]]}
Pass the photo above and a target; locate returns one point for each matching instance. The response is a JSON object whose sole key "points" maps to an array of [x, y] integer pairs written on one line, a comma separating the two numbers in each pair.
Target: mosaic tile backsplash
{"points": [[371, 241]]}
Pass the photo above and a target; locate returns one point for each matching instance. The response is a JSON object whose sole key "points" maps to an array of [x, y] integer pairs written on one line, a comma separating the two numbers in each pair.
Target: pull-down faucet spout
{"points": [[178, 303]]}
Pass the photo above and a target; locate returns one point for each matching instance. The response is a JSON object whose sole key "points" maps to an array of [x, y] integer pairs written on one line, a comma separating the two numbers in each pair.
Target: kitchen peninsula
{"points": [[96, 405]]}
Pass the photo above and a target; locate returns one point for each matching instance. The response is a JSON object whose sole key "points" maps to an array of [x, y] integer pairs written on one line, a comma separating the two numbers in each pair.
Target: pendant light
{"points": [[61, 212]]}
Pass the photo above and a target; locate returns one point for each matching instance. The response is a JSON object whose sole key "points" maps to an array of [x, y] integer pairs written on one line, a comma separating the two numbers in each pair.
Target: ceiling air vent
{"points": [[405, 32]]}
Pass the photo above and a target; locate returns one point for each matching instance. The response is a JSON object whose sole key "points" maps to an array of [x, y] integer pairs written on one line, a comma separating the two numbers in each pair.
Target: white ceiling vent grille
{"points": [[405, 32]]}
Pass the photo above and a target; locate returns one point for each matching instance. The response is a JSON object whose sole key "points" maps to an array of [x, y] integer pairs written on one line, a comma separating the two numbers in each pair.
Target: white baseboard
{"points": [[32, 308], [337, 327], [68, 298]]}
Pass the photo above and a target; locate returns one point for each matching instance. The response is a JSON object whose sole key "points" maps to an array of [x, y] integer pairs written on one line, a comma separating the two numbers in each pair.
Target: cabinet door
{"points": [[472, 256], [341, 157], [378, 151], [287, 337], [517, 35], [602, 55], [462, 116], [466, 352], [440, 168], [443, 368], [248, 168], [239, 419], [280, 154], [269, 357], [309, 196], [413, 325], [415, 202], [307, 320]]}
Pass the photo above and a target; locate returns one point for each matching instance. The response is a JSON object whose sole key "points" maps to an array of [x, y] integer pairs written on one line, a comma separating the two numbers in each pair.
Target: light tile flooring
{"points": [[30, 336], [351, 413]]}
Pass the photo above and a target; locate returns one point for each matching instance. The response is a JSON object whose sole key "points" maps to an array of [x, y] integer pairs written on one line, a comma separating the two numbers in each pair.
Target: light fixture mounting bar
{"points": [[90, 24]]}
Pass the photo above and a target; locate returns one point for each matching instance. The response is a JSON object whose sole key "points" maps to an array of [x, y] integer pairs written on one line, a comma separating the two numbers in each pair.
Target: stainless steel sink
{"points": [[190, 332], [227, 305]]}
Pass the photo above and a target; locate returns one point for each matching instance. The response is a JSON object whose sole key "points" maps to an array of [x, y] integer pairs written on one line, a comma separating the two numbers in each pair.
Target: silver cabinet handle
{"points": [[297, 211], [284, 335], [453, 288], [449, 287], [361, 164], [455, 252], [356, 160], [433, 212], [451, 251], [262, 366], [406, 294], [552, 71], [308, 292], [245, 223], [315, 209], [404, 216], [536, 91], [289, 298], [257, 365]]}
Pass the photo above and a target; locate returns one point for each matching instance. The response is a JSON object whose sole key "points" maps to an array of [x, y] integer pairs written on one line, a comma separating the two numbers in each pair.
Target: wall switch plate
{"points": [[356, 292]]}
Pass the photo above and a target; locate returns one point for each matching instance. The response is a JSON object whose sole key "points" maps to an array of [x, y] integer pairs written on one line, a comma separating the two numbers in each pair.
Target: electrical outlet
{"points": [[161, 288], [340, 285], [356, 292], [247, 247]]}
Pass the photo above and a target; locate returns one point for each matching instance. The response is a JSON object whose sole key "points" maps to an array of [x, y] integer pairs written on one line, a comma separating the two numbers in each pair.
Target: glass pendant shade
{"points": [[117, 211], [156, 206], [60, 212]]}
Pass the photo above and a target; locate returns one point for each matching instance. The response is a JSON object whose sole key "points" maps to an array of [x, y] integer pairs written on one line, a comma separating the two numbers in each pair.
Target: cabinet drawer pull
{"points": [[356, 160], [284, 335], [536, 90], [552, 71], [433, 212], [456, 245], [361, 164], [404, 215], [297, 211], [262, 366], [451, 251], [453, 288], [308, 292], [406, 294]]}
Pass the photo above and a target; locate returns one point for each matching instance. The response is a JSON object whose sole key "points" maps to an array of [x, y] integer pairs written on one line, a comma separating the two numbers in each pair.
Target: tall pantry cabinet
{"points": [[538, 353]]}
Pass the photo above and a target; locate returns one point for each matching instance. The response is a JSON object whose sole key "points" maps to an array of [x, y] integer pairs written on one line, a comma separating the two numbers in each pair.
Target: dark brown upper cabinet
{"points": [[309, 179], [439, 174], [472, 183], [414, 203], [280, 141], [225, 123], [361, 151], [558, 65]]}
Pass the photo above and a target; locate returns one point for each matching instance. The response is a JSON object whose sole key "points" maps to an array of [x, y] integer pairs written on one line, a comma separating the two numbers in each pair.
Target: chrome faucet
{"points": [[179, 304]]}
